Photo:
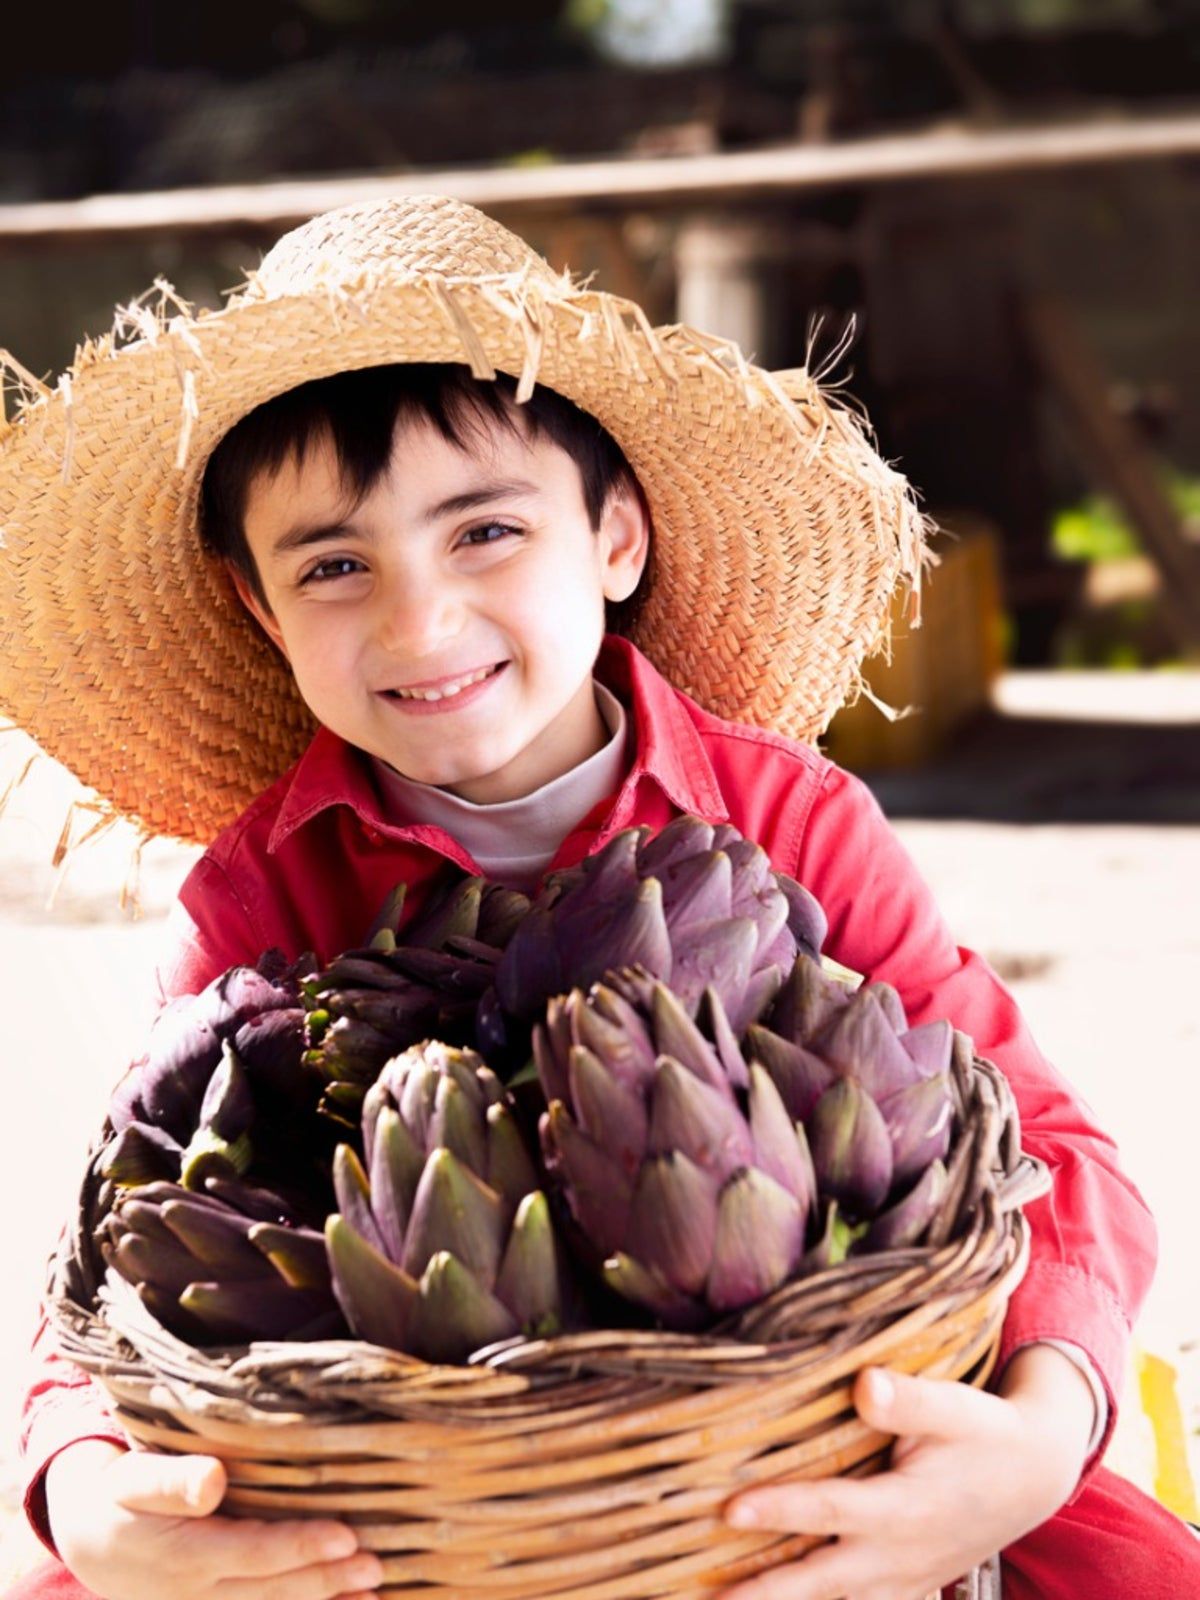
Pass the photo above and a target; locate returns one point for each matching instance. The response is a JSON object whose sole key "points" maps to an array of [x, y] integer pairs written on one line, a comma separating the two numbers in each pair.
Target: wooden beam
{"points": [[724, 176], [1116, 453]]}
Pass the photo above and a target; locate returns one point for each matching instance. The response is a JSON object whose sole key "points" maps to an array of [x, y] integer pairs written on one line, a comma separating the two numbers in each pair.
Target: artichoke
{"points": [[228, 1264], [166, 1089], [443, 1241], [717, 1114], [371, 1003], [222, 1084], [697, 1207], [874, 1095], [698, 907]]}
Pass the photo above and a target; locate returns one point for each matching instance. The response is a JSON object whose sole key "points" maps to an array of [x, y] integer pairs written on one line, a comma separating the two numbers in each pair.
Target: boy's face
{"points": [[474, 570]]}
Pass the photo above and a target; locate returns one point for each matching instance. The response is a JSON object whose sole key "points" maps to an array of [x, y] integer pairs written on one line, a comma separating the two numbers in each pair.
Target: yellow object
{"points": [[939, 674], [1158, 1388]]}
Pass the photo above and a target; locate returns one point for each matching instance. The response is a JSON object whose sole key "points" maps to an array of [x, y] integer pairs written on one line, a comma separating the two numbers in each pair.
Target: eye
{"points": [[335, 567], [488, 533]]}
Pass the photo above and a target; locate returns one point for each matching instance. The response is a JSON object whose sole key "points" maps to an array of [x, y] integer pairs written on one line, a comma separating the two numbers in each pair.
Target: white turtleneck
{"points": [[514, 841]]}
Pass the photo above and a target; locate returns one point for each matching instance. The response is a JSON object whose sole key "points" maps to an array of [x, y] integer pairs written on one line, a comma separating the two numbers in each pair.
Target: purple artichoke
{"points": [[696, 1206], [696, 906], [443, 1241]]}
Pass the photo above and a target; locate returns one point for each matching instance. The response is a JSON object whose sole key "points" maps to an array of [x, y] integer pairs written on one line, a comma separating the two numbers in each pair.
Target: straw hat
{"points": [[779, 531]]}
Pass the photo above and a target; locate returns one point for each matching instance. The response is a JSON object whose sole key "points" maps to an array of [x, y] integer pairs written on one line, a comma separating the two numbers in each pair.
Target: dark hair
{"points": [[359, 412]]}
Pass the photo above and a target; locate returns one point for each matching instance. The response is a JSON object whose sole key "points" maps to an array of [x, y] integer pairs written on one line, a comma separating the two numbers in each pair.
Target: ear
{"points": [[261, 612], [624, 542]]}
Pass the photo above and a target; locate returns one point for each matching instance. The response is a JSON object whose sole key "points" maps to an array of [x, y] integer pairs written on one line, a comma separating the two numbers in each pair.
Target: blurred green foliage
{"points": [[1127, 632], [1055, 14], [1094, 530], [541, 156], [1097, 529], [1125, 637]]}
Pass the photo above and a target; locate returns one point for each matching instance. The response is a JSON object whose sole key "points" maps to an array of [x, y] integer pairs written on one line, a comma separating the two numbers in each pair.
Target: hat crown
{"points": [[404, 236]]}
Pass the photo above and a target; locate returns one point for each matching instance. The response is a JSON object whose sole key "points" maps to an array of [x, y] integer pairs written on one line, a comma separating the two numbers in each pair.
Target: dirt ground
{"points": [[1061, 836]]}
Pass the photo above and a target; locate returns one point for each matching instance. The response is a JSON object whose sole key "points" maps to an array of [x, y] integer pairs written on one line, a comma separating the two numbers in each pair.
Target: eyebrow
{"points": [[300, 535]]}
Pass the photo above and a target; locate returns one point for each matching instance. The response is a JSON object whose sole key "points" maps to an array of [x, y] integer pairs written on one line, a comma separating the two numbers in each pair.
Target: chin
{"points": [[446, 774]]}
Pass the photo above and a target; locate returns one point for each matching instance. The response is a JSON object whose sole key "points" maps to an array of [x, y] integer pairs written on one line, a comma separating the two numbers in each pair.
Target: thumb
{"points": [[894, 1402], [168, 1486]]}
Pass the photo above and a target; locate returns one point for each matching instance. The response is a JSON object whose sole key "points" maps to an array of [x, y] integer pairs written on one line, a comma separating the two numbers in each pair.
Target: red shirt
{"points": [[308, 865]]}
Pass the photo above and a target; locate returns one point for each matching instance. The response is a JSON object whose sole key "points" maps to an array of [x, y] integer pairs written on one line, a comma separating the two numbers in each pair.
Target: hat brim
{"points": [[779, 531]]}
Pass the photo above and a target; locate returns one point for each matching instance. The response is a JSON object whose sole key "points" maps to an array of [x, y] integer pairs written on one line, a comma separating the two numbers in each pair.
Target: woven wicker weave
{"points": [[594, 1464]]}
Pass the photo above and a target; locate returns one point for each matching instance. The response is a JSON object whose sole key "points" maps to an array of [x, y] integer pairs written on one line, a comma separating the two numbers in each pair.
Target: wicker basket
{"points": [[593, 1465]]}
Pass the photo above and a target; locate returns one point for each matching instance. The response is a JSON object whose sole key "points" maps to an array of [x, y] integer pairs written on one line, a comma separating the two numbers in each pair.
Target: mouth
{"points": [[446, 689]]}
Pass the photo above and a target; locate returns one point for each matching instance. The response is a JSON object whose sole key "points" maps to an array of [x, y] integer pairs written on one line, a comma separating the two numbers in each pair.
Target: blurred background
{"points": [[979, 220]]}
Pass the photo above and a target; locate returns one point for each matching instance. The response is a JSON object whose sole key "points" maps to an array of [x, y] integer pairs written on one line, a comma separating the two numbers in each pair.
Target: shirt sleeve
{"points": [[208, 931], [62, 1404], [1099, 1399], [1093, 1241]]}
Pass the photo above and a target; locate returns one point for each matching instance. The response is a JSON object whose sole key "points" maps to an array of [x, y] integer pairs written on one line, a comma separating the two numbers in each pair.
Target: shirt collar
{"points": [[667, 749]]}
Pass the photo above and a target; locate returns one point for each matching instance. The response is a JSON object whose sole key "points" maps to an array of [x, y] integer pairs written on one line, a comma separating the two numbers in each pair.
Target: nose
{"points": [[417, 616]]}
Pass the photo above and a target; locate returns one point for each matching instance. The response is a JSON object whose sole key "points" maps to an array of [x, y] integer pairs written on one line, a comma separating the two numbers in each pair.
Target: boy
{"points": [[426, 468]]}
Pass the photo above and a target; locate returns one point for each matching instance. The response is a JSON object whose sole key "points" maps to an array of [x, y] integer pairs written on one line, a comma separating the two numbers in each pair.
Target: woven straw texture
{"points": [[779, 531], [593, 1465]]}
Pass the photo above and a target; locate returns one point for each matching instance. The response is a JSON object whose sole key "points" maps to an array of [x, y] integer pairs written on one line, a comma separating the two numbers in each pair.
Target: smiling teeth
{"points": [[448, 690]]}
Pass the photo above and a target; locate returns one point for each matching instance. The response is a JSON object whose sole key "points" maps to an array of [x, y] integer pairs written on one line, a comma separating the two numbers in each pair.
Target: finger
{"points": [[895, 1402], [170, 1486], [362, 1573], [824, 1506], [828, 1573], [248, 1548]]}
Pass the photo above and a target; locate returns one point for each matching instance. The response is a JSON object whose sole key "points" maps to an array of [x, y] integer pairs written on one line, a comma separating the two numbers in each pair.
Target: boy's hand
{"points": [[132, 1525], [970, 1472]]}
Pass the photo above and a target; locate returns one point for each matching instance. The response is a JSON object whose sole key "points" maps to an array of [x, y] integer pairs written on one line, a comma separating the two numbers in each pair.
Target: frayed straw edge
{"points": [[533, 333], [131, 888], [67, 849], [892, 713], [517, 299], [68, 400], [900, 526], [621, 335], [15, 783], [106, 817], [525, 301], [30, 391], [140, 322], [916, 554], [135, 323], [477, 357], [720, 355], [191, 415], [840, 349], [355, 297], [653, 343]]}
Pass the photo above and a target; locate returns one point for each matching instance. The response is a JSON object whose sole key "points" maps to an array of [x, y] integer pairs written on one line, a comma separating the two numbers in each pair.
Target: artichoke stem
{"points": [[208, 1155]]}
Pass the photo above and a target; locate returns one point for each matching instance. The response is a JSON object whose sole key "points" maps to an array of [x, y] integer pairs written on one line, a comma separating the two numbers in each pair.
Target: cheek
{"points": [[317, 649], [564, 603], [561, 634]]}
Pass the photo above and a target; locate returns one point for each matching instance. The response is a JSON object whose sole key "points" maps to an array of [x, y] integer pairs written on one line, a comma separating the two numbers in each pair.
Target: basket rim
{"points": [[117, 1340], [462, 1477]]}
